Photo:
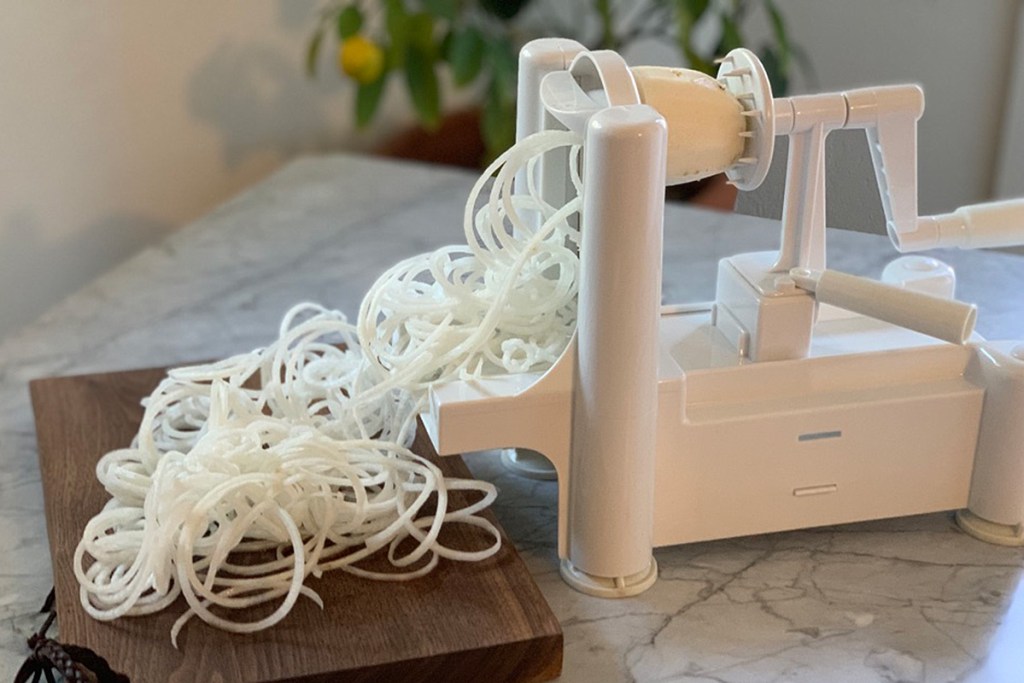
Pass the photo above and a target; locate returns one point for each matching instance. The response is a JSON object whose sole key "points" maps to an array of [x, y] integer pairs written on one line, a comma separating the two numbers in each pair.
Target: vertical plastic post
{"points": [[803, 209], [611, 494], [807, 121], [537, 59], [995, 510]]}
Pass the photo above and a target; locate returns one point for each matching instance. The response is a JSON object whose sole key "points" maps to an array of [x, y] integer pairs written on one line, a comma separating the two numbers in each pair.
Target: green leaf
{"points": [[444, 49], [607, 17], [731, 38], [397, 22], [368, 98], [781, 36], [444, 9], [313, 51], [695, 8], [773, 67], [394, 11], [698, 63], [498, 123], [466, 55], [501, 57], [350, 20], [504, 9], [687, 14], [423, 88], [421, 32]]}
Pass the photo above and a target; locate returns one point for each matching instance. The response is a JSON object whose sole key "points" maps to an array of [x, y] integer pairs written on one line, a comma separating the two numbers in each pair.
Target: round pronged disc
{"points": [[743, 75]]}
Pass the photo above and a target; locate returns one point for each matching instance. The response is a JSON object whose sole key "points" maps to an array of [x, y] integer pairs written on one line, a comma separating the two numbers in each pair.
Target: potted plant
{"points": [[478, 42]]}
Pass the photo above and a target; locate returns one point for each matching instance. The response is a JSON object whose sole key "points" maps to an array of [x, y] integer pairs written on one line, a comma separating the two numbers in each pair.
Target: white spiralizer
{"points": [[801, 397]]}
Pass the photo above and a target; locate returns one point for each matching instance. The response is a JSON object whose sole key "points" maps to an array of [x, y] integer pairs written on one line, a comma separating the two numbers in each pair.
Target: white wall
{"points": [[122, 120], [960, 52], [1010, 172]]}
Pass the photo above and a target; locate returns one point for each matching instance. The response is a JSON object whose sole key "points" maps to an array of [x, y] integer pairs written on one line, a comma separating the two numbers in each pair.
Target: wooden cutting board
{"points": [[463, 622]]}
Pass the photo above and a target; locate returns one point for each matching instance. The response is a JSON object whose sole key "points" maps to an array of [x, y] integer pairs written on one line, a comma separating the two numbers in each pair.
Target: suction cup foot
{"points": [[990, 532], [606, 587], [529, 464]]}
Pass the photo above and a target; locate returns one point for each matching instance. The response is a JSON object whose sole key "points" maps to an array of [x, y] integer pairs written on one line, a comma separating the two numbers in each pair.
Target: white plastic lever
{"points": [[992, 224], [945, 319]]}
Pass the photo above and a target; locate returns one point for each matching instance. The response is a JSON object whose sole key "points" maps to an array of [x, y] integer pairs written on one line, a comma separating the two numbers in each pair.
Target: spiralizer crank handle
{"points": [[988, 225], [945, 319]]}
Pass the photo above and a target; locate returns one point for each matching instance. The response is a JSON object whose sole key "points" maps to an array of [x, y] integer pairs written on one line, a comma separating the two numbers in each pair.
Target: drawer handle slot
{"points": [[817, 436], [815, 490]]}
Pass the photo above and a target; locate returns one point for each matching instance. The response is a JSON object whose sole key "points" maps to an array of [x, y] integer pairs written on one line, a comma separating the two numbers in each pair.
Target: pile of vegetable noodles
{"points": [[232, 495]]}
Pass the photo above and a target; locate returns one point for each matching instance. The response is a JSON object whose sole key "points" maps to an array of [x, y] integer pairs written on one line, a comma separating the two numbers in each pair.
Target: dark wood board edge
{"points": [[536, 659], [532, 661]]}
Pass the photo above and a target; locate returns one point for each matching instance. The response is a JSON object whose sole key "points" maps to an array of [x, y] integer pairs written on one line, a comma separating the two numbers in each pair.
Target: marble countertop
{"points": [[910, 599]]}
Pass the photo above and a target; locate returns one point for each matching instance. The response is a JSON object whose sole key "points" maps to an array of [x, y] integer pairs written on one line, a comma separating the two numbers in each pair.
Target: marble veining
{"points": [[909, 599]]}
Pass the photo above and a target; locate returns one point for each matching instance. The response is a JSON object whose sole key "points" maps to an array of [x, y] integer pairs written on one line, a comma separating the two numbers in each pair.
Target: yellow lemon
{"points": [[361, 59]]}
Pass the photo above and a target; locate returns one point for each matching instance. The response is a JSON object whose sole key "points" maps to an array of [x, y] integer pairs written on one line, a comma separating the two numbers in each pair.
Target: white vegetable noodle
{"points": [[250, 474]]}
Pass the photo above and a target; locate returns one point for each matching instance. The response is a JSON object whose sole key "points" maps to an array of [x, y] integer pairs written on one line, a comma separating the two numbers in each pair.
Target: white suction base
{"points": [[606, 587], [529, 464], [990, 532]]}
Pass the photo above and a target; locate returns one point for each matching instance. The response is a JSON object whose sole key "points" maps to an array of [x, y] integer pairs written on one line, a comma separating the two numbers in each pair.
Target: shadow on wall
{"points": [[851, 191], [297, 15], [259, 101], [52, 269]]}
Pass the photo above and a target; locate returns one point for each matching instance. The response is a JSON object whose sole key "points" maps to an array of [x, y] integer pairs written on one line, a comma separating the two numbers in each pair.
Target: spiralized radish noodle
{"points": [[253, 473]]}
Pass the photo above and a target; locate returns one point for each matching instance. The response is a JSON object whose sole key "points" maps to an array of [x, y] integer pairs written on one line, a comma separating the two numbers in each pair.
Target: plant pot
{"points": [[456, 142]]}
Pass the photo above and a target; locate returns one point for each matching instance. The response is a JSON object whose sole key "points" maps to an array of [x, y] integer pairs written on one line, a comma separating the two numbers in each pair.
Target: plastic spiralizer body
{"points": [[800, 397]]}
